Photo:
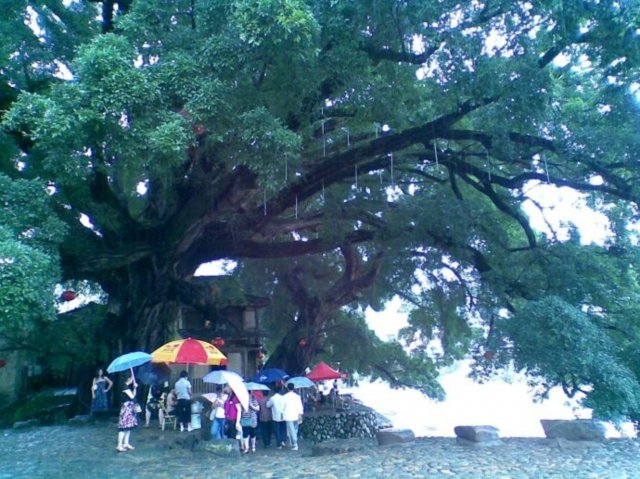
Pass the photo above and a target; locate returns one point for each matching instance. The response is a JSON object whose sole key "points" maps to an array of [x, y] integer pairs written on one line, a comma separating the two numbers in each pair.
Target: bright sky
{"points": [[504, 402], [562, 206]]}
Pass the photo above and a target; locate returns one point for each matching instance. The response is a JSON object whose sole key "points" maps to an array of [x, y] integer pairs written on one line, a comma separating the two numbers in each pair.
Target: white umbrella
{"points": [[235, 382], [300, 382], [251, 386], [211, 397]]}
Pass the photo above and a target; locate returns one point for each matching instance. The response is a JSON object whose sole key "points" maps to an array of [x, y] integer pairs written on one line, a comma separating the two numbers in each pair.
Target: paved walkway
{"points": [[89, 451]]}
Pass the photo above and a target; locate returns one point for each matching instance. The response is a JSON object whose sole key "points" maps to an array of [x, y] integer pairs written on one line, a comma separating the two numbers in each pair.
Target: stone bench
{"points": [[394, 436], [333, 447], [574, 429], [472, 435], [222, 447]]}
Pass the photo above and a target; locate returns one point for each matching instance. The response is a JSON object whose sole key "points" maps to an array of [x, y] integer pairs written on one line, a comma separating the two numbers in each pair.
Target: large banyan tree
{"points": [[343, 152]]}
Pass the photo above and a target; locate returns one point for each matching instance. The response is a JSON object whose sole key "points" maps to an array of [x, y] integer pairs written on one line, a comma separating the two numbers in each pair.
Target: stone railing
{"points": [[357, 422]]}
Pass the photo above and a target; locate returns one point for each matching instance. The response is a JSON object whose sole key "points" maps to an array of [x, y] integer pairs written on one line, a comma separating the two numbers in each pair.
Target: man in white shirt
{"points": [[276, 403], [292, 414], [183, 393]]}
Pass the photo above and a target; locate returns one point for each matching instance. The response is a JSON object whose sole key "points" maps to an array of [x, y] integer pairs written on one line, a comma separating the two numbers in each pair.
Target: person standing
{"points": [[152, 407], [232, 411], [100, 386], [217, 415], [265, 420], [249, 423], [183, 409], [292, 415], [127, 419], [276, 403]]}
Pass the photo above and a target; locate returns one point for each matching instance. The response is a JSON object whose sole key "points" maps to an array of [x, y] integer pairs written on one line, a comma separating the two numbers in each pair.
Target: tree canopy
{"points": [[344, 153]]}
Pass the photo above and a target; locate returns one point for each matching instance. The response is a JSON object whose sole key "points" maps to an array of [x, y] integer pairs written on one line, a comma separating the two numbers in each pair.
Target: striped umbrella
{"points": [[189, 351]]}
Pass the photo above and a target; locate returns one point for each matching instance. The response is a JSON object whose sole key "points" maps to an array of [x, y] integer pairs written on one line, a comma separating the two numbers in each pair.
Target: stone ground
{"points": [[89, 451]]}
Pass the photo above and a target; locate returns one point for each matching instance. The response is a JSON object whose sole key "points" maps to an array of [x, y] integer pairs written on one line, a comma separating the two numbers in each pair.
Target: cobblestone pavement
{"points": [[89, 451]]}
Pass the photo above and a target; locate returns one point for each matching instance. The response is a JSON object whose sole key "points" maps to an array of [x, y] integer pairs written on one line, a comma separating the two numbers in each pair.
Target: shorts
{"points": [[248, 431]]}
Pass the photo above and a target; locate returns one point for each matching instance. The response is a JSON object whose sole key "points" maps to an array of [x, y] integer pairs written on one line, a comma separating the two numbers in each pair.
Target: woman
{"points": [[232, 409], [100, 386], [217, 415], [249, 423], [128, 419]]}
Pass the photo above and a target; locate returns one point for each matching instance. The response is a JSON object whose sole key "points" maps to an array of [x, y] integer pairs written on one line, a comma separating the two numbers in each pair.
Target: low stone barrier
{"points": [[222, 447], [477, 434], [27, 424], [80, 420], [387, 437], [357, 423], [574, 430], [332, 447]]}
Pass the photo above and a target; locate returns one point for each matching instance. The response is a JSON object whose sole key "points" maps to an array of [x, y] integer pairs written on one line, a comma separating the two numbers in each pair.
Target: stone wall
{"points": [[353, 423]]}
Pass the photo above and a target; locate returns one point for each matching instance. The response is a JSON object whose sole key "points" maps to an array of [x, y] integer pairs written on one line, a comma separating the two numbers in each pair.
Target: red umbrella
{"points": [[189, 351], [323, 371]]}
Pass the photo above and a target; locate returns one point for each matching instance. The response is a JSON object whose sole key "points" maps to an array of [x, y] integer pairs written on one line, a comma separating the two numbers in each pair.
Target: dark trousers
{"points": [[183, 411], [265, 433], [280, 429]]}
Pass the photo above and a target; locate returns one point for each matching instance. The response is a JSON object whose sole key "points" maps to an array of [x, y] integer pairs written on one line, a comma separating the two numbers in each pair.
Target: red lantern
{"points": [[3, 363], [302, 343], [68, 295], [218, 342], [489, 355]]}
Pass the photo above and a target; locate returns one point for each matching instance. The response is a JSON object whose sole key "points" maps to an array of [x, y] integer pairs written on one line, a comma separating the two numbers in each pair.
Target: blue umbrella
{"points": [[300, 382], [128, 361], [270, 375]]}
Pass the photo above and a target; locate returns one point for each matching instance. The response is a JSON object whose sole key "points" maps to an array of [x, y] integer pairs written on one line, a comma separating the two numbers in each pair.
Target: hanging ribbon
{"points": [[356, 175], [546, 169], [264, 201], [391, 168]]}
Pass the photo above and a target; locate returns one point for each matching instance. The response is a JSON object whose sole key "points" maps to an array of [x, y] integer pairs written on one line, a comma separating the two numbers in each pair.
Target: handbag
{"points": [[137, 408]]}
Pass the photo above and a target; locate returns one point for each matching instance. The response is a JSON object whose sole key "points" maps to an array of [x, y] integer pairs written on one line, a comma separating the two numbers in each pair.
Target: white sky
{"points": [[562, 206], [504, 402]]}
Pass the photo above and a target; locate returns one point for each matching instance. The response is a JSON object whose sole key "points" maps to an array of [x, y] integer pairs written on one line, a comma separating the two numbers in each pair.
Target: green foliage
{"points": [[27, 276], [267, 145], [272, 23], [369, 139], [349, 342], [562, 345], [29, 269]]}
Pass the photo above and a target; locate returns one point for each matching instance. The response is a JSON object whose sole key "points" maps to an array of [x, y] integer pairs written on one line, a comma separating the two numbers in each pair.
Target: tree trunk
{"points": [[300, 345]]}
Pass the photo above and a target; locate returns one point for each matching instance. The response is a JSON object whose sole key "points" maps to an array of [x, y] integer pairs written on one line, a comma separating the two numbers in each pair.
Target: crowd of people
{"points": [[268, 416]]}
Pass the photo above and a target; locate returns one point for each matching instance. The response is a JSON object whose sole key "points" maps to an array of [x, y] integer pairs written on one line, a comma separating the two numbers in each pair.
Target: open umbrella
{"points": [[154, 373], [210, 396], [323, 371], [128, 361], [189, 351], [235, 382], [251, 386], [270, 375], [300, 382]]}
